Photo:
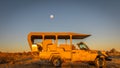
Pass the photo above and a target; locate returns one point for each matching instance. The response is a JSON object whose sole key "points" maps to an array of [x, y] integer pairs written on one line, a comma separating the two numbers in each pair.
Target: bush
{"points": [[13, 57]]}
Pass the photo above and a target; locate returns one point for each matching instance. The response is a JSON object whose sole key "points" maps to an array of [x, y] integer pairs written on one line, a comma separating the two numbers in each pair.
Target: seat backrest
{"points": [[45, 43], [67, 47], [52, 47]]}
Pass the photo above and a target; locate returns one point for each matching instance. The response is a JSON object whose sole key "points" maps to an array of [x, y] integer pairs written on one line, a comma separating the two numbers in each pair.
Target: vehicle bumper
{"points": [[108, 58]]}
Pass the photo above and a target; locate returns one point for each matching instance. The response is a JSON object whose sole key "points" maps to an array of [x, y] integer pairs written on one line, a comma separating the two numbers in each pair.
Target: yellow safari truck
{"points": [[47, 45]]}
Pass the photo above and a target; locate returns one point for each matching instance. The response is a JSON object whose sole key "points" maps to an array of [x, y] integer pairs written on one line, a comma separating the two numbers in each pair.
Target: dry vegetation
{"points": [[13, 57], [26, 60]]}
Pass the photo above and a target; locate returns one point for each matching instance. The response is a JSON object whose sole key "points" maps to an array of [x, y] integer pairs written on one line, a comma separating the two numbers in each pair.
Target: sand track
{"points": [[36, 63]]}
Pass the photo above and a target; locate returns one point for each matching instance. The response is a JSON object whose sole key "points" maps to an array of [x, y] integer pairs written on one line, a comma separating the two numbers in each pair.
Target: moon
{"points": [[51, 16]]}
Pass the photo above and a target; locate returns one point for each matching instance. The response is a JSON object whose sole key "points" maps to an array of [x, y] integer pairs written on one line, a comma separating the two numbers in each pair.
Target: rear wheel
{"points": [[56, 62], [100, 63]]}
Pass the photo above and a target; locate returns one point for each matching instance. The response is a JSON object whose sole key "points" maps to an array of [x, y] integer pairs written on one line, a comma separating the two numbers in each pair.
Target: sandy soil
{"points": [[36, 63]]}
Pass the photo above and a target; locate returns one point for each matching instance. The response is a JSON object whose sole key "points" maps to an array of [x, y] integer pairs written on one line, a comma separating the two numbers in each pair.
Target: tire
{"points": [[56, 62], [100, 63]]}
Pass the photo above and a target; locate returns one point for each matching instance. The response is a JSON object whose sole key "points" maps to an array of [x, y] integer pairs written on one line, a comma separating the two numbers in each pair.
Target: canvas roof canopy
{"points": [[55, 35], [60, 35]]}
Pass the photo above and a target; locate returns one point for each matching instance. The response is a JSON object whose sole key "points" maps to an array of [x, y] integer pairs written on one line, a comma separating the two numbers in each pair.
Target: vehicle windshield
{"points": [[82, 46]]}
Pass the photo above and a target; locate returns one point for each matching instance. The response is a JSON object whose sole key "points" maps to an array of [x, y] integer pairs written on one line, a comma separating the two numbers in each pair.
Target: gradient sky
{"points": [[100, 18]]}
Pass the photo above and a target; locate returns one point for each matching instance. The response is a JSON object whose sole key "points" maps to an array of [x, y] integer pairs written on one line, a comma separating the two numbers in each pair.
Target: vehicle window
{"points": [[37, 41], [82, 46]]}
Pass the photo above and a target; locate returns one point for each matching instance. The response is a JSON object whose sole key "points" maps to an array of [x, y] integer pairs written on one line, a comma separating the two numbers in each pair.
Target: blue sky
{"points": [[99, 18]]}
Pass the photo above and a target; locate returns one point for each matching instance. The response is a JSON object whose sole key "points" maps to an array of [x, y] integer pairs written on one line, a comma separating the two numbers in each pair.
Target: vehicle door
{"points": [[82, 54]]}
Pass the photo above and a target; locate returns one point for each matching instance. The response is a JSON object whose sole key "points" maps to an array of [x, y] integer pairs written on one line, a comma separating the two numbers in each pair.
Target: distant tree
{"points": [[113, 50], [24, 52]]}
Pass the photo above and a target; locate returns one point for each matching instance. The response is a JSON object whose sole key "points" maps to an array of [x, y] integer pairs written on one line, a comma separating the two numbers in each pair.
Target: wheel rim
{"points": [[56, 62]]}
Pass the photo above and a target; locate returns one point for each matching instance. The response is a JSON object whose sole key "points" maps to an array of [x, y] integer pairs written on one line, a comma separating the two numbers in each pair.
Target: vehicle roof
{"points": [[61, 35]]}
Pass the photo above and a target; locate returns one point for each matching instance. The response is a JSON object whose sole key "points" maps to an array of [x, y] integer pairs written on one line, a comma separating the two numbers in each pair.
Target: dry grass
{"points": [[25, 60], [13, 57]]}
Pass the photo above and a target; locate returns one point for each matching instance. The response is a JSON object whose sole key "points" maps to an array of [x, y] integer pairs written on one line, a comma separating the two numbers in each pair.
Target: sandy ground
{"points": [[35, 63]]}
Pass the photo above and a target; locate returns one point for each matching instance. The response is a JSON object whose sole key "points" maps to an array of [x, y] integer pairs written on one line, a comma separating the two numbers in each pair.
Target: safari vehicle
{"points": [[49, 49]]}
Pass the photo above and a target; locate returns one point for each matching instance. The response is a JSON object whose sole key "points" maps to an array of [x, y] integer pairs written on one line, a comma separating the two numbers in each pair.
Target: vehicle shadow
{"points": [[68, 65]]}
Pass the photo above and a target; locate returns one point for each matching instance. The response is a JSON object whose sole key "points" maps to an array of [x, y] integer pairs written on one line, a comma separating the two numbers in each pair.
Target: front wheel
{"points": [[57, 62], [100, 63]]}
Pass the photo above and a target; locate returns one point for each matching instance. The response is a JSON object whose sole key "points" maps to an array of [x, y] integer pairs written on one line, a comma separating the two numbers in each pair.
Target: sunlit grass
{"points": [[13, 57]]}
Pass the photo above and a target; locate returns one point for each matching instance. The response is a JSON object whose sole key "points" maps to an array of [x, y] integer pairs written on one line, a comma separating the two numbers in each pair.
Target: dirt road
{"points": [[35, 63]]}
